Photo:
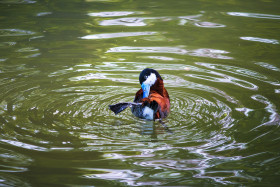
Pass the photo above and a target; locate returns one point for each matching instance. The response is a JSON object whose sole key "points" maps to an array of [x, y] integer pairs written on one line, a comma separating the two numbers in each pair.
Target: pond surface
{"points": [[63, 62]]}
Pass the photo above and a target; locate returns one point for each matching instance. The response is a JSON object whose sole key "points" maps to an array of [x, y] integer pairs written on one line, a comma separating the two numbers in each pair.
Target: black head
{"points": [[149, 75]]}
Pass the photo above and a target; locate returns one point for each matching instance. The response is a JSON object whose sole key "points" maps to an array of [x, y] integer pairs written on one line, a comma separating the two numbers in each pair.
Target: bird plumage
{"points": [[151, 101]]}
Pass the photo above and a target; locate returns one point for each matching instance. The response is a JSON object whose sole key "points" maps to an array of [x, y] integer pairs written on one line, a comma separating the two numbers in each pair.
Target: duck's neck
{"points": [[158, 86]]}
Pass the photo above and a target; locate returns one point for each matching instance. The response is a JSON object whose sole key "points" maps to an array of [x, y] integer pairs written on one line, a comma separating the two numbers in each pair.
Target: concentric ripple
{"points": [[62, 64]]}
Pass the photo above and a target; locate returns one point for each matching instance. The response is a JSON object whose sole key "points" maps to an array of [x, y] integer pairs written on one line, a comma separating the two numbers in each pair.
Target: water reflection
{"points": [[14, 32], [241, 71], [7, 179], [164, 58], [13, 161], [17, 1], [107, 71], [268, 66], [145, 21], [211, 53], [246, 111], [113, 13], [27, 49], [226, 79], [44, 13], [263, 40], [62, 64], [209, 24], [23, 145], [126, 176], [130, 49], [117, 35], [131, 21], [254, 15], [274, 117], [7, 44]]}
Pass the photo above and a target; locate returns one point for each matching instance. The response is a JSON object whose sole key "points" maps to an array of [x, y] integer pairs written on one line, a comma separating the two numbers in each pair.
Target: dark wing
{"points": [[117, 108]]}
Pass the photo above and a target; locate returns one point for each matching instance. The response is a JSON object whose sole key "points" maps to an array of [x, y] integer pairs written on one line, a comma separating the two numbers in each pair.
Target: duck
{"points": [[151, 101]]}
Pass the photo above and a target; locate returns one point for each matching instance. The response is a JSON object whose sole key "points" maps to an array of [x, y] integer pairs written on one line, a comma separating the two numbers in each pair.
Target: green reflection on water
{"points": [[62, 63]]}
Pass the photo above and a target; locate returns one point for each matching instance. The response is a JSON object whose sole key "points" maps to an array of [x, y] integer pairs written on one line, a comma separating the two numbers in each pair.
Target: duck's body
{"points": [[151, 101], [155, 106]]}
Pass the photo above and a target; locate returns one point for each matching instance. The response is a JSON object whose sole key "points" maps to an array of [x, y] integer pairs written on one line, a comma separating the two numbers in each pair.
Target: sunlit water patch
{"points": [[254, 15], [268, 66], [195, 20], [209, 25], [212, 53], [112, 14], [43, 14], [14, 32], [274, 117], [131, 21], [263, 40], [117, 35]]}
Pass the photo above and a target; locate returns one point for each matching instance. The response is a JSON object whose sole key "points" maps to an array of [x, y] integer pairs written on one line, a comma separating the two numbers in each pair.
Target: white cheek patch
{"points": [[151, 79]]}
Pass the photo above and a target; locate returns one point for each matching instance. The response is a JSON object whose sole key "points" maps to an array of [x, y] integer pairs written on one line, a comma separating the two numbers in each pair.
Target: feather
{"points": [[119, 107]]}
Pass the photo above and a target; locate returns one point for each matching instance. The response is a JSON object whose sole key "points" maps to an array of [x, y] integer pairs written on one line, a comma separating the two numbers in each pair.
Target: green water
{"points": [[63, 62]]}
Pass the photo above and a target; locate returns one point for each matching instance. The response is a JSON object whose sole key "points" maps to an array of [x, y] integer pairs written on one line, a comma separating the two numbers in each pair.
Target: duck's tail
{"points": [[117, 108]]}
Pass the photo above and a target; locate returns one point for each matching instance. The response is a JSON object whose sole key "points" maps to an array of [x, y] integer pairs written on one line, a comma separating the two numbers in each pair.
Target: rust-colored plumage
{"points": [[157, 94]]}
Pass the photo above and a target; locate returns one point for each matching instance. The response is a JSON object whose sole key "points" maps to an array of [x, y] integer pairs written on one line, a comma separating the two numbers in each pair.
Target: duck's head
{"points": [[147, 79]]}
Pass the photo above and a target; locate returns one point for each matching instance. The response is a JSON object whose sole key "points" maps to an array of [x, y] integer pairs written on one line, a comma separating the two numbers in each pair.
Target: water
{"points": [[63, 62]]}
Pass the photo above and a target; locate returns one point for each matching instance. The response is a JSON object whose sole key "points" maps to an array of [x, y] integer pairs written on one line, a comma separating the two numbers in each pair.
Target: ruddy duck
{"points": [[151, 101]]}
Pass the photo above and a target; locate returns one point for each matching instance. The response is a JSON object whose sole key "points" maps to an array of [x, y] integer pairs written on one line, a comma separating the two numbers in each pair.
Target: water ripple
{"points": [[23, 145], [17, 1], [241, 71], [7, 44], [268, 66], [254, 15], [193, 109], [209, 24], [262, 40], [74, 115], [164, 58], [274, 117], [13, 161], [43, 14], [15, 32], [144, 21], [12, 180], [113, 13], [220, 77], [107, 71], [210, 53], [226, 79], [126, 176], [131, 21], [27, 49], [54, 115], [117, 35]]}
